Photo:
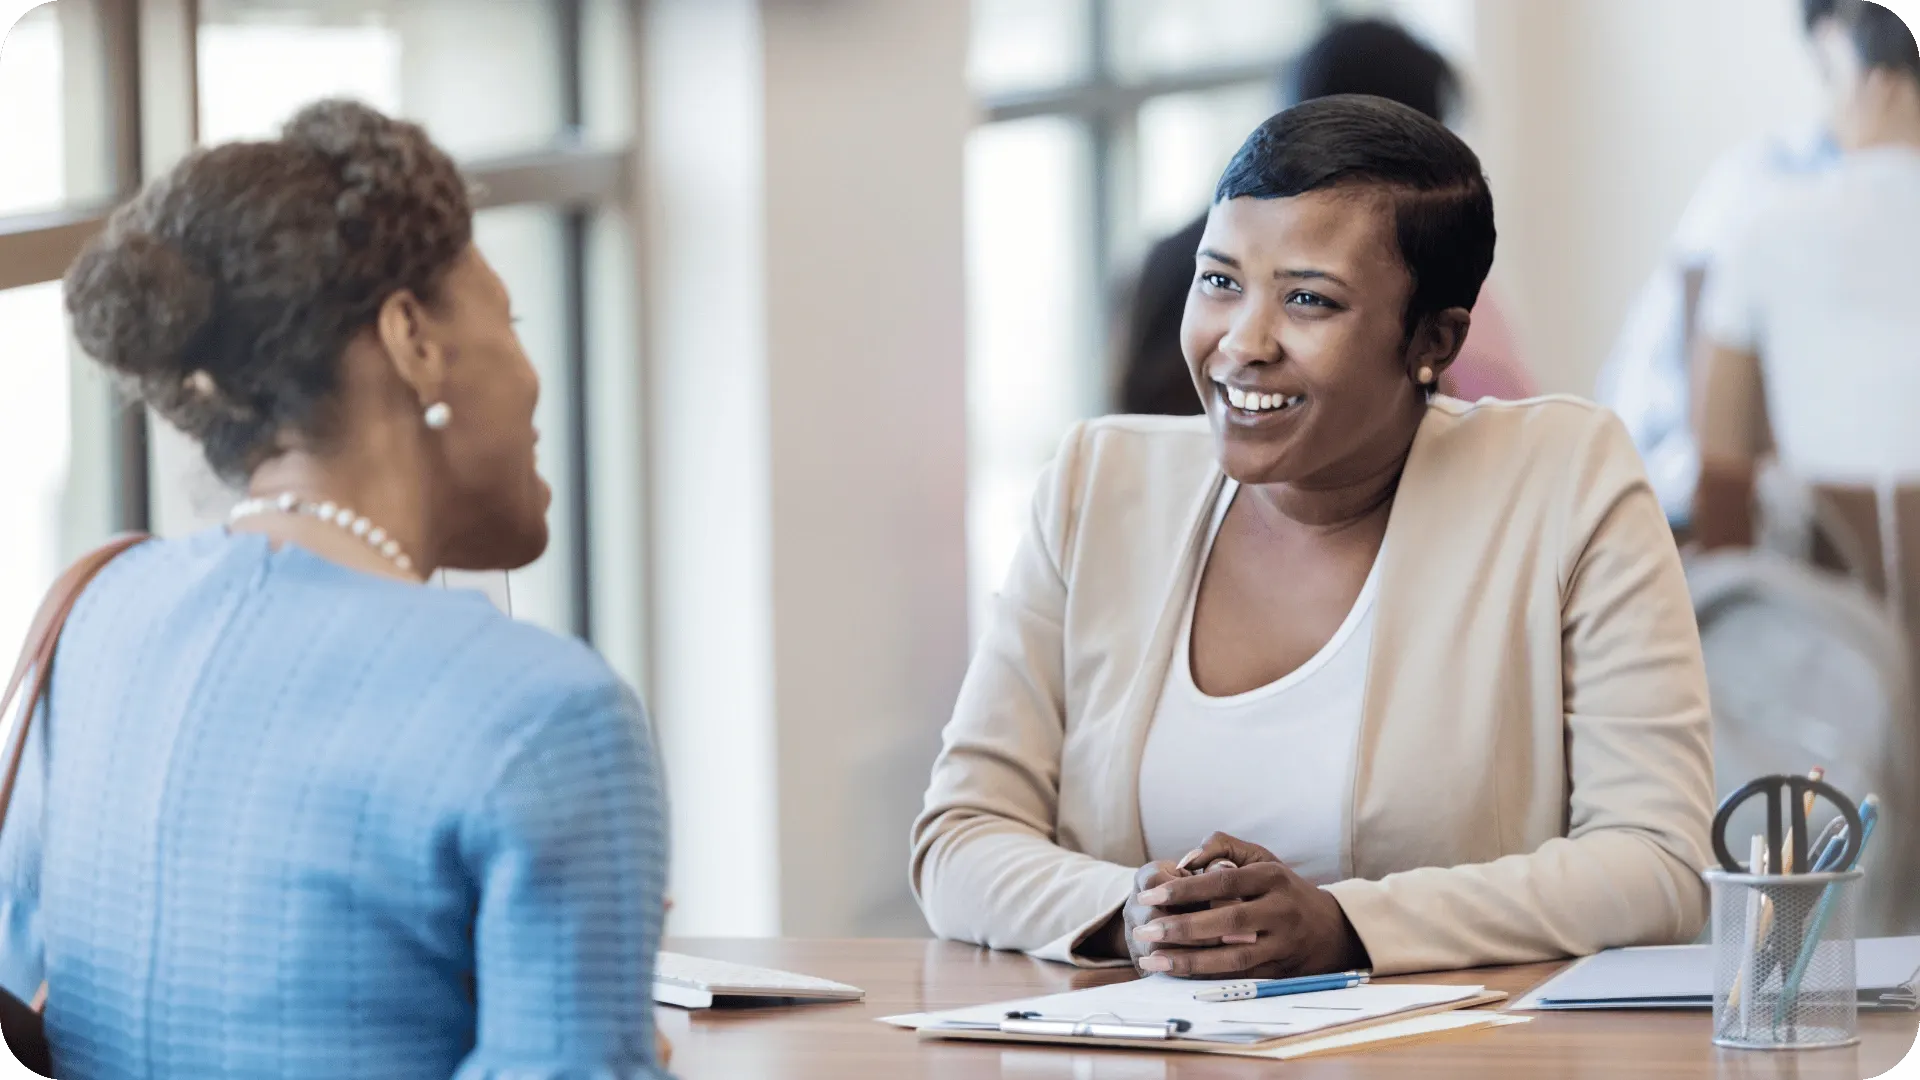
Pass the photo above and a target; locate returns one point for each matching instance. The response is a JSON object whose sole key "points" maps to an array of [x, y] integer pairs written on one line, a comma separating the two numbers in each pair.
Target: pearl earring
{"points": [[438, 416], [1425, 376]]}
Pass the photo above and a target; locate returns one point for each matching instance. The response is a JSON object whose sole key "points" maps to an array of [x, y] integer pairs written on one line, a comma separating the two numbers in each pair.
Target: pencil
{"points": [[1756, 864]]}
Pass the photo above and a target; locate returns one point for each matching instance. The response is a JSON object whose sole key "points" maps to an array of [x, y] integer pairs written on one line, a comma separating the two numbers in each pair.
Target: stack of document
{"points": [[1886, 970], [1264, 1027]]}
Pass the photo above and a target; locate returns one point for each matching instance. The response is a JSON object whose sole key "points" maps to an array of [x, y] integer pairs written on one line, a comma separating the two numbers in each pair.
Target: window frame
{"points": [[1109, 106], [149, 50]]}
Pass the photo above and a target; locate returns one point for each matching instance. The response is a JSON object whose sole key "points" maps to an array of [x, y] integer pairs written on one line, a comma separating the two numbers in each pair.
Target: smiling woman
{"points": [[1423, 674]]}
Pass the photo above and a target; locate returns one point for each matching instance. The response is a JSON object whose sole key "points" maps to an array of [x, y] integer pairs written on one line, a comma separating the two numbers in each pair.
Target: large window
{"points": [[35, 443], [52, 160], [1105, 125], [533, 96], [33, 411]]}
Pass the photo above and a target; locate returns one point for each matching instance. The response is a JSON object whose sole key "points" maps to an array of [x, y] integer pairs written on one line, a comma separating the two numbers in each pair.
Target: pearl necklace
{"points": [[333, 514]]}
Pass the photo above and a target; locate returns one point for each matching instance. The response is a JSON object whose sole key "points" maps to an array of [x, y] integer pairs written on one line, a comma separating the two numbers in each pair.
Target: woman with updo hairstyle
{"points": [[287, 812]]}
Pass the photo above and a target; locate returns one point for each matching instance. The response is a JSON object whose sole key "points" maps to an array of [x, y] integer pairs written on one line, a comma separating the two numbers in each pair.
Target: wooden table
{"points": [[838, 1042]]}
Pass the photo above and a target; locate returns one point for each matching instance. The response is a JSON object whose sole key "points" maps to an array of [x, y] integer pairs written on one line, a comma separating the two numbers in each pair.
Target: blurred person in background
{"points": [[1811, 358], [1366, 56], [1811, 319], [288, 812], [1648, 378]]}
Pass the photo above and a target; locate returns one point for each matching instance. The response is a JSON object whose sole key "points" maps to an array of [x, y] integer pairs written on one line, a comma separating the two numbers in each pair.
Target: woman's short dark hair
{"points": [[227, 291], [1443, 208], [1881, 39], [1812, 11]]}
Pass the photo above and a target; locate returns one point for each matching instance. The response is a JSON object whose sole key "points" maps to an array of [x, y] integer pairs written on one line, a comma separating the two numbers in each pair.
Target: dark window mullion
{"points": [[128, 458], [576, 225], [1116, 112]]}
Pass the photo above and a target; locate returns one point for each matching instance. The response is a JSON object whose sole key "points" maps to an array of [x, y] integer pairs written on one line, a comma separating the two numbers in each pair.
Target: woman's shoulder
{"points": [[1124, 447], [1559, 453], [1120, 488], [567, 694], [1528, 426], [567, 677], [513, 675], [1155, 458], [428, 650], [1163, 431], [478, 690]]}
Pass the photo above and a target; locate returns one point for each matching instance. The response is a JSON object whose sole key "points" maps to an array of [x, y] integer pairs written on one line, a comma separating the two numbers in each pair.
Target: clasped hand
{"points": [[1258, 920]]}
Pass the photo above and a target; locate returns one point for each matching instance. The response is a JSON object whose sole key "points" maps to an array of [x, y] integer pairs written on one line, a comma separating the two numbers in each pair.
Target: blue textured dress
{"points": [[284, 819]]}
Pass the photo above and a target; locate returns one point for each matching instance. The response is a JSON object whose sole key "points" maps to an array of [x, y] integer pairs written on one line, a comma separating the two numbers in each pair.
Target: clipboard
{"points": [[1275, 1046]]}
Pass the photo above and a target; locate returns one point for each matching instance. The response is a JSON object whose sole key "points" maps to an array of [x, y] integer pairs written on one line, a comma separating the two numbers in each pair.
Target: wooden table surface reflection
{"points": [[834, 1042]]}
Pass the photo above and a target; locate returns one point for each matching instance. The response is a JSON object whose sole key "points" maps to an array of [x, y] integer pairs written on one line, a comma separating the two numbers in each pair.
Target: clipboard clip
{"points": [[1097, 1026]]}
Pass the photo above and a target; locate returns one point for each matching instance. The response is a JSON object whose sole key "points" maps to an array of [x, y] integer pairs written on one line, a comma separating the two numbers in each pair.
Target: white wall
{"points": [[806, 374], [867, 113], [1596, 118]]}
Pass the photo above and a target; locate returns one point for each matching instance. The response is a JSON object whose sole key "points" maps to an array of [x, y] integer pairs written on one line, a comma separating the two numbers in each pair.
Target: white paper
{"points": [[1159, 998]]}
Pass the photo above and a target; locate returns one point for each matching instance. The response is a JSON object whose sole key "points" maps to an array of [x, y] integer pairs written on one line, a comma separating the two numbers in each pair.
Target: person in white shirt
{"points": [[1811, 321], [1648, 377]]}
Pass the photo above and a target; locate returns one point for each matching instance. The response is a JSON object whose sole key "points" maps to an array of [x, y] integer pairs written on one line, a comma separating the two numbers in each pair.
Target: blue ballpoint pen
{"points": [[1869, 817], [1265, 988], [1824, 842], [1830, 851]]}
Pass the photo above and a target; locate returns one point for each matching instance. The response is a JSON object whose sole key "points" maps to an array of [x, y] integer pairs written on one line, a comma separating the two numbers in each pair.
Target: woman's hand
{"points": [[1257, 920], [1151, 876], [1135, 914]]}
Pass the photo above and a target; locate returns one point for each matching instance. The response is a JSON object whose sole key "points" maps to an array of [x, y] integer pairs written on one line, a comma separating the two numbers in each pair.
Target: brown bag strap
{"points": [[36, 656]]}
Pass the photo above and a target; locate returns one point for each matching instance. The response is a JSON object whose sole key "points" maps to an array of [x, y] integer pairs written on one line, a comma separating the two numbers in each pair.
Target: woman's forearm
{"points": [[990, 881], [1610, 887]]}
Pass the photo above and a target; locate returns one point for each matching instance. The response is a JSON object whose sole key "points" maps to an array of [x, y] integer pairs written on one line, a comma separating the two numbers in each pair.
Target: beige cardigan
{"points": [[1533, 776]]}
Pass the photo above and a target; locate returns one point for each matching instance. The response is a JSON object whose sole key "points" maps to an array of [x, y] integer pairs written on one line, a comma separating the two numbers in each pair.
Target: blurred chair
{"points": [[1805, 669], [1798, 521], [1883, 524]]}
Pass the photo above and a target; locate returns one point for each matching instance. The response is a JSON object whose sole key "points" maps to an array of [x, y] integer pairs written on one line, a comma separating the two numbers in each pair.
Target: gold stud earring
{"points": [[438, 416]]}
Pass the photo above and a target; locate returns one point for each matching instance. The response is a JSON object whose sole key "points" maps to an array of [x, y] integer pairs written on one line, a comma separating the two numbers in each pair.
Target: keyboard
{"points": [[695, 982]]}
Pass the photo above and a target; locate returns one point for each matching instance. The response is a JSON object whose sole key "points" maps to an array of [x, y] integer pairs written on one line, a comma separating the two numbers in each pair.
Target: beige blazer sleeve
{"points": [[986, 868], [1639, 763]]}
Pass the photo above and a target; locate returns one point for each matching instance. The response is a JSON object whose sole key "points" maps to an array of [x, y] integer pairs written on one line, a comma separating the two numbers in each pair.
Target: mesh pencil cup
{"points": [[1783, 960]]}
